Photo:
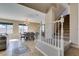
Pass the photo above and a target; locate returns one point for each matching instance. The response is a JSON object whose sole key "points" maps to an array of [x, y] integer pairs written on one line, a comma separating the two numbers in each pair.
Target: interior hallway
{"points": [[20, 48]]}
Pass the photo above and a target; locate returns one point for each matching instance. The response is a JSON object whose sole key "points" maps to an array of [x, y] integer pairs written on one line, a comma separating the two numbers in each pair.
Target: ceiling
{"points": [[42, 7], [13, 11], [34, 12]]}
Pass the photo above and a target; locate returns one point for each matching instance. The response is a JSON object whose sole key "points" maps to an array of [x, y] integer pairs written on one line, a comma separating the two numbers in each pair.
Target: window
{"points": [[43, 27], [6, 28], [9, 29], [23, 28], [43, 30], [2, 28]]}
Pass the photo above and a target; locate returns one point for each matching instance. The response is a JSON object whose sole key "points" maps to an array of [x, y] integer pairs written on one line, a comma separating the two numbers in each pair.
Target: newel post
{"points": [[62, 34]]}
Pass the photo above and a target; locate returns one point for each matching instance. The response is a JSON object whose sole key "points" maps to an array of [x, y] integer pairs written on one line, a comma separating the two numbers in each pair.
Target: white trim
{"points": [[52, 46], [75, 45], [41, 51]]}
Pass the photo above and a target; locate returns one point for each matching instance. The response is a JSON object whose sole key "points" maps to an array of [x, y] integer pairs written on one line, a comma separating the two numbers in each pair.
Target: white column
{"points": [[40, 31]]}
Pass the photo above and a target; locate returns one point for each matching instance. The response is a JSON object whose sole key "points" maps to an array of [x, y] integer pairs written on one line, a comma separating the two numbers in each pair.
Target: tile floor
{"points": [[20, 48], [17, 47]]}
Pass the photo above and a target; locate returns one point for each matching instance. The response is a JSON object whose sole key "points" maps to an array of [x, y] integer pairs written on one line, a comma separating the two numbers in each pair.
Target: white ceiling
{"points": [[18, 12], [42, 7]]}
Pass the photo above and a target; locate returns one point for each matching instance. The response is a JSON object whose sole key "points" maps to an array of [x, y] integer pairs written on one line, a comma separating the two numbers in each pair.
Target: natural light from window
{"points": [[6, 29]]}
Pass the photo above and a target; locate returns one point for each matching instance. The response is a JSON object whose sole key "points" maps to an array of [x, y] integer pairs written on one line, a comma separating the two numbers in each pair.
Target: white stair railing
{"points": [[57, 39], [58, 35]]}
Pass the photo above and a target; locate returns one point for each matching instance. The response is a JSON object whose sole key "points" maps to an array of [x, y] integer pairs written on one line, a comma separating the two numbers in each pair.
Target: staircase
{"points": [[66, 33], [56, 45], [66, 28]]}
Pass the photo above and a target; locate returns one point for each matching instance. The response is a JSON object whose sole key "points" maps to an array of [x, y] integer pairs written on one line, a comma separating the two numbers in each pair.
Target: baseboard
{"points": [[75, 45], [41, 51]]}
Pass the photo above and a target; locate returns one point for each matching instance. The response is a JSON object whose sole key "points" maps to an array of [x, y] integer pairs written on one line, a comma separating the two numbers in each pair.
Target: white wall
{"points": [[74, 23], [78, 24], [50, 17], [63, 9]]}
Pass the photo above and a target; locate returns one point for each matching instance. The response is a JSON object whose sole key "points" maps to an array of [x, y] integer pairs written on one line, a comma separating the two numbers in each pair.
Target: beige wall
{"points": [[33, 27]]}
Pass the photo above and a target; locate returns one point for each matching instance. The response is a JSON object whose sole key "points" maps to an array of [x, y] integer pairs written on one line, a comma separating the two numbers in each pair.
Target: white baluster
{"points": [[58, 33], [58, 40], [55, 34]]}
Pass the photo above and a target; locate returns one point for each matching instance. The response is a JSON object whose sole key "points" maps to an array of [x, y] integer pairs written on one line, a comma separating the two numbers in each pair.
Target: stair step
{"points": [[66, 34], [66, 28]]}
